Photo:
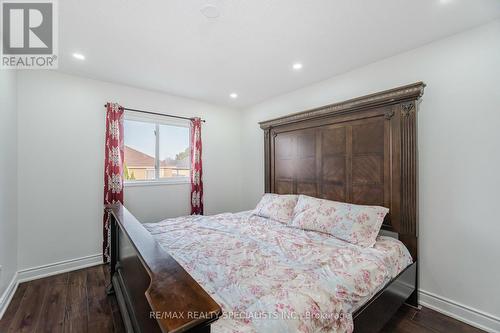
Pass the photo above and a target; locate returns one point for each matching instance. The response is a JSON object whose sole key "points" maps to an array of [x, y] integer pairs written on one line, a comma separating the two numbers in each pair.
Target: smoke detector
{"points": [[210, 11]]}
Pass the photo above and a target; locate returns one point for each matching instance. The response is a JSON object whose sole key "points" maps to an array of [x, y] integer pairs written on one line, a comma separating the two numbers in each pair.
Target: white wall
{"points": [[148, 205], [61, 163], [459, 144], [8, 178]]}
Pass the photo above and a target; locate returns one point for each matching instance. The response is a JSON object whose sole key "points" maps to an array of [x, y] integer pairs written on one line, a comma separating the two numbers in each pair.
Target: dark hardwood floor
{"points": [[77, 302]]}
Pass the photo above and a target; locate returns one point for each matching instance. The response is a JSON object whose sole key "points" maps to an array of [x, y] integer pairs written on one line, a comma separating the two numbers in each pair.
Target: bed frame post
{"points": [[408, 225], [413, 299], [267, 160]]}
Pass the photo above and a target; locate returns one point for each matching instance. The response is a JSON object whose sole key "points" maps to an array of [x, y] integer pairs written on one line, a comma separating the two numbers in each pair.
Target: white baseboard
{"points": [[39, 272], [34, 273], [485, 321], [8, 294]]}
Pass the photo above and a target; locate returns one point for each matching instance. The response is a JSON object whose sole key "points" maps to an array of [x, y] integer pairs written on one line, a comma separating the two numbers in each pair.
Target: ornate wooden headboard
{"points": [[362, 151]]}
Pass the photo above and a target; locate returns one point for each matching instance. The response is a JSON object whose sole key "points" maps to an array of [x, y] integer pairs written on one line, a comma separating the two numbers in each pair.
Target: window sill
{"points": [[156, 182]]}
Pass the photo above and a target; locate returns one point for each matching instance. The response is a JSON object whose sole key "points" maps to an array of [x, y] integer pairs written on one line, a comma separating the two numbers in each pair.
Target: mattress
{"points": [[268, 277]]}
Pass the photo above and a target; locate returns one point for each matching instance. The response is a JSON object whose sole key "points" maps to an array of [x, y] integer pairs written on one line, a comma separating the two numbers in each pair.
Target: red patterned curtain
{"points": [[196, 169], [113, 168]]}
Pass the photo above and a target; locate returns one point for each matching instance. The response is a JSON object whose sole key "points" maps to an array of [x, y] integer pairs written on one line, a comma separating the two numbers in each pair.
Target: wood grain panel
{"points": [[284, 186], [306, 143], [368, 137], [334, 169], [368, 169], [334, 140], [333, 191], [368, 195], [305, 168], [284, 169], [352, 157], [307, 188], [285, 148]]}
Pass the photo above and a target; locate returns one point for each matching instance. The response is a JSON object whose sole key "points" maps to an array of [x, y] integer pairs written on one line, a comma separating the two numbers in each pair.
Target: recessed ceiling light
{"points": [[297, 66], [78, 56], [233, 95], [444, 2], [210, 11]]}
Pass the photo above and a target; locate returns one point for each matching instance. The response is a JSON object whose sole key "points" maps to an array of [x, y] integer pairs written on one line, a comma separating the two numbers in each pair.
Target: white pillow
{"points": [[276, 207], [355, 224]]}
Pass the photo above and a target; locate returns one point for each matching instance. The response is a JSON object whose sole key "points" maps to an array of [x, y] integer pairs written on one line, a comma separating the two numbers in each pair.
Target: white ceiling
{"points": [[168, 45]]}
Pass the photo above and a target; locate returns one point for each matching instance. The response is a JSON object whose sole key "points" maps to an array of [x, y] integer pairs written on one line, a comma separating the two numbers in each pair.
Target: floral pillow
{"points": [[355, 224], [276, 207]]}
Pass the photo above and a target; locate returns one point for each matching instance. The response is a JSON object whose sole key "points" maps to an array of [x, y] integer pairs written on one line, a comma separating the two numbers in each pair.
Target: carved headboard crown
{"points": [[362, 151]]}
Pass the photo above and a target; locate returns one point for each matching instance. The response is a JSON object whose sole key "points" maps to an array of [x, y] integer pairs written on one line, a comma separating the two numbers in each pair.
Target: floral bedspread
{"points": [[268, 277]]}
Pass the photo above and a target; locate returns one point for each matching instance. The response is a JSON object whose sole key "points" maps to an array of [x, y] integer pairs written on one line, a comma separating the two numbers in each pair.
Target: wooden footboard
{"points": [[154, 292], [375, 313]]}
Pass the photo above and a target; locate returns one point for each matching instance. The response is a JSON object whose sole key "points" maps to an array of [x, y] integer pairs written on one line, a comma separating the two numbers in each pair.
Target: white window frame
{"points": [[158, 120]]}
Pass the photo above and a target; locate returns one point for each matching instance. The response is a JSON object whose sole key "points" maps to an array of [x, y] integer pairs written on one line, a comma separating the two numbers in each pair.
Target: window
{"points": [[156, 150]]}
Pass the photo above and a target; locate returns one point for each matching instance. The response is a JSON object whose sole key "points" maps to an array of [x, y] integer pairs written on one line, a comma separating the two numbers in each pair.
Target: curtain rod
{"points": [[158, 114]]}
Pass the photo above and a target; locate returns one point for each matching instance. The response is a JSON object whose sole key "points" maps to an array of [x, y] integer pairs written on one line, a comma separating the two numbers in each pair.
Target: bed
{"points": [[268, 277], [243, 273]]}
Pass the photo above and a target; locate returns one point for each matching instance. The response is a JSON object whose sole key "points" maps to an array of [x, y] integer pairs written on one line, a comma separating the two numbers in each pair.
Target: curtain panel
{"points": [[113, 168], [196, 168]]}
